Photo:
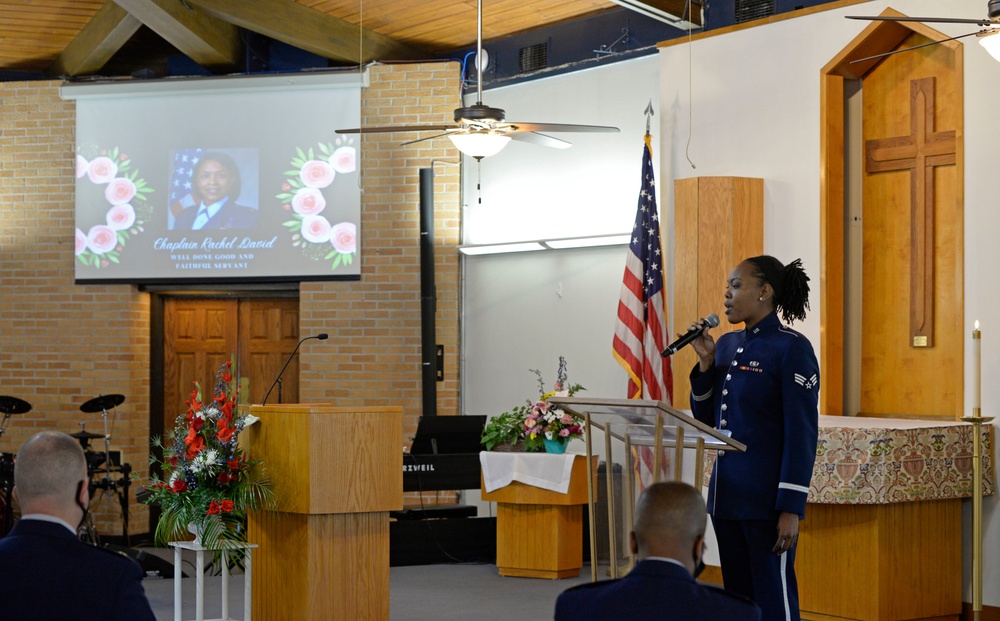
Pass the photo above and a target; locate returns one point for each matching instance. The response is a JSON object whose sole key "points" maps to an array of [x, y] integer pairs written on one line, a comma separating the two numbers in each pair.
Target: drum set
{"points": [[105, 470]]}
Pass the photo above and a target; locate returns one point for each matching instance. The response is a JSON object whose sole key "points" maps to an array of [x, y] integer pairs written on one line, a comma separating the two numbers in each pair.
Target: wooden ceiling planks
{"points": [[35, 33]]}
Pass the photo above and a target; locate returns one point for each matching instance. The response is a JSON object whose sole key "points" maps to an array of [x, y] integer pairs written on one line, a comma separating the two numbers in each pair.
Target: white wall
{"points": [[755, 108], [523, 311], [534, 192]]}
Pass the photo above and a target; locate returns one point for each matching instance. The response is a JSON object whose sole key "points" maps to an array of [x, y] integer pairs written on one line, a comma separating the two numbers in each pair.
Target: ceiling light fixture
{"points": [[479, 144], [990, 42], [591, 241]]}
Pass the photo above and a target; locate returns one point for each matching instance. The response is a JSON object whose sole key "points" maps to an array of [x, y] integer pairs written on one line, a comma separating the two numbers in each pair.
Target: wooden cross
{"points": [[919, 153]]}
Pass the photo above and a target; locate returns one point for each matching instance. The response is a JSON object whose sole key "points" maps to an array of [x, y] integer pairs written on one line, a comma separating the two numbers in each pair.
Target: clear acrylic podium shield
{"points": [[639, 423]]}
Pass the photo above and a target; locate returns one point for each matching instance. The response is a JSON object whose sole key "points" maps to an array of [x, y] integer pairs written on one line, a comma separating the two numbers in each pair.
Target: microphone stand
{"points": [[322, 337]]}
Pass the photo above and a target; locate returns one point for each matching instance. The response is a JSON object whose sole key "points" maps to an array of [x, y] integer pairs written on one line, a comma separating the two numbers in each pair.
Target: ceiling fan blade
{"points": [[929, 20], [559, 127], [540, 139], [397, 128], [915, 47], [447, 133]]}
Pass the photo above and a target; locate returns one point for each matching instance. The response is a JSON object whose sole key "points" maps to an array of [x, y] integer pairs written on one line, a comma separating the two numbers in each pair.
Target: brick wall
{"points": [[62, 344], [374, 324]]}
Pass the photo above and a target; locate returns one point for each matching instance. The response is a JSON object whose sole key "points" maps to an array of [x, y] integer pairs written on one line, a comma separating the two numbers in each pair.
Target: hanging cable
{"points": [[687, 148]]}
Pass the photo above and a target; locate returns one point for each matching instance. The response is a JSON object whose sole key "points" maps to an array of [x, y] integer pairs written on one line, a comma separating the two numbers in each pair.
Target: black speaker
{"points": [[152, 566]]}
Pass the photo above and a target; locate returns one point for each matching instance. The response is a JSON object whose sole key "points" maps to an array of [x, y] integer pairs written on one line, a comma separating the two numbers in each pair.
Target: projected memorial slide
{"points": [[218, 180]]}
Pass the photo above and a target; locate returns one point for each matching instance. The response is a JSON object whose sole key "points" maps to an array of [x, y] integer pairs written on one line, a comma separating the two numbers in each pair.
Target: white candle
{"points": [[977, 368]]}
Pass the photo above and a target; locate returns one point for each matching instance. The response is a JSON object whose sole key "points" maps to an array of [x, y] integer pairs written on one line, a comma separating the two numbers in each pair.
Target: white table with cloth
{"points": [[882, 538], [540, 499]]}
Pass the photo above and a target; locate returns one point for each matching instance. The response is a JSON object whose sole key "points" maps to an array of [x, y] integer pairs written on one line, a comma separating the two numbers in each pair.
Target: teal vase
{"points": [[555, 446]]}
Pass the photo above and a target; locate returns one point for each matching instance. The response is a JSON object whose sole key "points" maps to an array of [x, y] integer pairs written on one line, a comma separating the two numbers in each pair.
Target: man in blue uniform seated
{"points": [[46, 572], [668, 540]]}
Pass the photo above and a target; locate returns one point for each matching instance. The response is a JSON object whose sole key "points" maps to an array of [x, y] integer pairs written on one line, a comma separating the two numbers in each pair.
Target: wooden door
{"points": [[911, 349], [269, 332], [201, 334]]}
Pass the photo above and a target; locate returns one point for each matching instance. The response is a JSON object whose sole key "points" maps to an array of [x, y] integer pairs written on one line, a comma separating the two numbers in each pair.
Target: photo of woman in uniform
{"points": [[216, 184]]}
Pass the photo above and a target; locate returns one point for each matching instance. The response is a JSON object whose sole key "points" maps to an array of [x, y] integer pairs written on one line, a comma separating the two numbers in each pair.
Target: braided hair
{"points": [[790, 284]]}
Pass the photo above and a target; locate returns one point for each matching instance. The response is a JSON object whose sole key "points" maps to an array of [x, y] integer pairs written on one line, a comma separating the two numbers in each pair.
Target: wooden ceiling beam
{"points": [[308, 29], [109, 29], [211, 42]]}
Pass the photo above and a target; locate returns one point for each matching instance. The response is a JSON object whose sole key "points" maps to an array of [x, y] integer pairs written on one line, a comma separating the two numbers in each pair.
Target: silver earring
{"points": [[761, 299]]}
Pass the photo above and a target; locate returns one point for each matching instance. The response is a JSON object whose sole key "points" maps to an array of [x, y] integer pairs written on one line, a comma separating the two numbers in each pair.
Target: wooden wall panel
{"points": [[718, 222], [931, 385], [877, 38]]}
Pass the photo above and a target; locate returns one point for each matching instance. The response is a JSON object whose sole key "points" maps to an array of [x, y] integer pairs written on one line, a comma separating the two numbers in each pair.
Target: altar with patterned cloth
{"points": [[882, 538]]}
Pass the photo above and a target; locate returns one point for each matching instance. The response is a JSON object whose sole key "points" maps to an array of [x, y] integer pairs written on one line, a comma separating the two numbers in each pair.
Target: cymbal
{"points": [[104, 402], [86, 435], [13, 405]]}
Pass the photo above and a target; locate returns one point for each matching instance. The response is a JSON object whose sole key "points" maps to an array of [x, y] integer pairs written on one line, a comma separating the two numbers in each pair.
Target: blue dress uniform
{"points": [[763, 391]]}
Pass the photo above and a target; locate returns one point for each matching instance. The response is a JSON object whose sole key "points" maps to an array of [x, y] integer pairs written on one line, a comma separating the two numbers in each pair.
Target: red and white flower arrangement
{"points": [[207, 482]]}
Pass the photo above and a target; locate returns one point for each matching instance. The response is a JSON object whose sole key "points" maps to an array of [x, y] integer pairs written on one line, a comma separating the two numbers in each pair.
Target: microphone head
{"points": [[712, 321], [323, 335]]}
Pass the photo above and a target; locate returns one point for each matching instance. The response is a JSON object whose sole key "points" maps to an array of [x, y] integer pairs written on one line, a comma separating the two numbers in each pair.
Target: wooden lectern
{"points": [[324, 550]]}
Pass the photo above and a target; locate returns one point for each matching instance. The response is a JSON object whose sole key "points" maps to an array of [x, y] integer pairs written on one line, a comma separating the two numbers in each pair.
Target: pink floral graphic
{"points": [[101, 239], [316, 229], [316, 174], [123, 202], [343, 236], [308, 201], [81, 166], [102, 169], [120, 191], [302, 193], [81, 242], [344, 160], [121, 217]]}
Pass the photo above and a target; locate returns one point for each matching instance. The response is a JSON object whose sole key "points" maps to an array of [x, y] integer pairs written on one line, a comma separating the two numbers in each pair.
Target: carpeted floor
{"points": [[418, 593]]}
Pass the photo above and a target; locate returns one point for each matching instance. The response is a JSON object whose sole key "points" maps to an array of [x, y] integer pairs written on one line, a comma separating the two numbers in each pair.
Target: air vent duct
{"points": [[749, 10], [533, 57]]}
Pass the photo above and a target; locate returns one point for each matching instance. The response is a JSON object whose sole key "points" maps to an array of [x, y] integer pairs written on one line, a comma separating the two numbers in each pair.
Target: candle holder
{"points": [[977, 421]]}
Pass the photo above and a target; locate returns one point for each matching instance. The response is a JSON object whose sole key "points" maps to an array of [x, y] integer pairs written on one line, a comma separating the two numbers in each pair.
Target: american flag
{"points": [[180, 180], [641, 325]]}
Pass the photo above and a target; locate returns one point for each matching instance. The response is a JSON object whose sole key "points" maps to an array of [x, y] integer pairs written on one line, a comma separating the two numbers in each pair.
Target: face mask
{"points": [[79, 491], [699, 563], [699, 566]]}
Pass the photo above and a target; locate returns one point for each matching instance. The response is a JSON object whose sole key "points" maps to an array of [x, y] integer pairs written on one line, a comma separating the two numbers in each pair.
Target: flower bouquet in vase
{"points": [[208, 483], [547, 427]]}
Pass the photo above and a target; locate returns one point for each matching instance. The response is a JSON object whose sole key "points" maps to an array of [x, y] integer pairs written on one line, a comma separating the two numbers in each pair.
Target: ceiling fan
{"points": [[991, 27], [480, 130]]}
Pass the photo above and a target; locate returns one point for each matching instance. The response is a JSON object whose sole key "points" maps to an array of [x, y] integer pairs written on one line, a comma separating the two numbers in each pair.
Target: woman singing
{"points": [[760, 385]]}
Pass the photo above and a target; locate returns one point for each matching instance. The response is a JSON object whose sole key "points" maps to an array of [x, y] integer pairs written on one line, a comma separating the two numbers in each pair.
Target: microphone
{"points": [[322, 337], [710, 322]]}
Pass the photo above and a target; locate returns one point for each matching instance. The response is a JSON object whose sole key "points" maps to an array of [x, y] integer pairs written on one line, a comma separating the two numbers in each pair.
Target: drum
{"points": [[7, 467], [6, 489]]}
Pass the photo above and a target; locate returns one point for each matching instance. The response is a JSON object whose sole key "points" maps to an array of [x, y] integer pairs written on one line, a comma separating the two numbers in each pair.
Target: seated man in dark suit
{"points": [[46, 572], [668, 540]]}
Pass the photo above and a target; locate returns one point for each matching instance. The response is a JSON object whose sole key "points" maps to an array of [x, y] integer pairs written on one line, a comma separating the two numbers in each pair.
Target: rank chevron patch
{"points": [[806, 383]]}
